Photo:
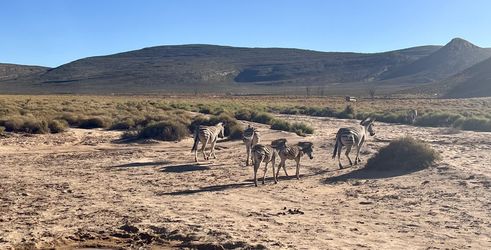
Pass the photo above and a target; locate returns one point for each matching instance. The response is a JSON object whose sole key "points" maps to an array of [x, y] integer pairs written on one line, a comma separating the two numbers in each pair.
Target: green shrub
{"points": [[13, 124], [57, 126], [29, 125], [235, 131], [279, 124], [298, 127], [124, 124], [244, 114], [301, 128], [474, 124], [2, 129], [347, 113], [262, 117], [165, 131], [404, 154], [95, 122], [73, 120], [437, 119]]}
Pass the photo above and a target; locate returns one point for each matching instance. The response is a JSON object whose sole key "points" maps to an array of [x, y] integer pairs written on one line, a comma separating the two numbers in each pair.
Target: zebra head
{"points": [[368, 124], [222, 129], [307, 148]]}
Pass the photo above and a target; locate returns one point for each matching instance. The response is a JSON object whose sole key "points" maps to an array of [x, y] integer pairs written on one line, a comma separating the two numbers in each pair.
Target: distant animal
{"points": [[250, 137], [287, 152], [350, 99], [205, 135], [264, 153], [353, 136], [412, 115]]}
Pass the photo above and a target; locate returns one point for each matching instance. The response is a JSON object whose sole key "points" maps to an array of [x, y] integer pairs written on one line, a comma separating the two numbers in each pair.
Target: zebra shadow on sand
{"points": [[363, 173]]}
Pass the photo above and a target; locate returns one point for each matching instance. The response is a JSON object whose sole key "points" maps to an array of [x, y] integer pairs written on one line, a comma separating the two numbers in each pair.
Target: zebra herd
{"points": [[349, 137]]}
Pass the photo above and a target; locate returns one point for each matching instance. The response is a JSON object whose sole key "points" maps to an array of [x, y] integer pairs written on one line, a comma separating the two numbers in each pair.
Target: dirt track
{"points": [[81, 189]]}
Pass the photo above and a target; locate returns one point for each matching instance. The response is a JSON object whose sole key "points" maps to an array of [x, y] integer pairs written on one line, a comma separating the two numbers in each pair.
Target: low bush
{"points": [[404, 154], [262, 117], [347, 113], [73, 120], [95, 122], [298, 127], [474, 124], [278, 124], [29, 125], [125, 124], [2, 129], [244, 114], [165, 131], [57, 126], [301, 128], [437, 119]]}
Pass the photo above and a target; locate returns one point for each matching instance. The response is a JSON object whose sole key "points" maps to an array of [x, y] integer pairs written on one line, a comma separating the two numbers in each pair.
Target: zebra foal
{"points": [[352, 136], [205, 135], [251, 137], [287, 152], [263, 153]]}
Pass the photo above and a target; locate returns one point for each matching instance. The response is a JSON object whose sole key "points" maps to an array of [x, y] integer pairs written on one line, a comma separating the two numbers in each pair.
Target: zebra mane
{"points": [[279, 143]]}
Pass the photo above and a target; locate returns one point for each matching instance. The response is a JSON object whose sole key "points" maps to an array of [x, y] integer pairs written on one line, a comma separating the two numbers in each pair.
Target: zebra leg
{"points": [[248, 149], [339, 156], [284, 167], [298, 169], [256, 167], [282, 161], [212, 152], [358, 149], [274, 176], [203, 149], [196, 155], [348, 150], [265, 169]]}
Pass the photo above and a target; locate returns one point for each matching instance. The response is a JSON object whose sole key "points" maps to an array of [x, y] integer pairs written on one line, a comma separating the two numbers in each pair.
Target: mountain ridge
{"points": [[217, 68]]}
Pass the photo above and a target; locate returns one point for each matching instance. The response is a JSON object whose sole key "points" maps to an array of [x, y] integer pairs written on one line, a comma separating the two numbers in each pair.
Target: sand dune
{"points": [[84, 189]]}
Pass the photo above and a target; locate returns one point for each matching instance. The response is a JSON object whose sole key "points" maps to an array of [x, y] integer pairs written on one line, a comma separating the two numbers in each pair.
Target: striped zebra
{"points": [[205, 135], [412, 115], [251, 137], [263, 153], [352, 136], [287, 152]]}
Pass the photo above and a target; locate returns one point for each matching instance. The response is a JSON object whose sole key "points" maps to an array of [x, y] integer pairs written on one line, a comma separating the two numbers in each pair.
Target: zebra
{"points": [[251, 137], [352, 136], [287, 152], [264, 153], [205, 135], [412, 115]]}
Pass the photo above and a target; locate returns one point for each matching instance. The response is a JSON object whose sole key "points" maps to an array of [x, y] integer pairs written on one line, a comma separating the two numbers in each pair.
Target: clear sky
{"points": [[54, 32]]}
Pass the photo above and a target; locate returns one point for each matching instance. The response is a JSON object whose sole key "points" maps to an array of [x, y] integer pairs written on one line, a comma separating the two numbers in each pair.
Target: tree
{"points": [[372, 92]]}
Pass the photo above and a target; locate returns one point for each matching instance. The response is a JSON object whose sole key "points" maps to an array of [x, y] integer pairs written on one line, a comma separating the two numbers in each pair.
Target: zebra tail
{"points": [[196, 140], [336, 147]]}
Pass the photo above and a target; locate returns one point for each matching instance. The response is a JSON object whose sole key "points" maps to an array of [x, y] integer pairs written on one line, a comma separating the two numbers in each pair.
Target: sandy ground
{"points": [[81, 189]]}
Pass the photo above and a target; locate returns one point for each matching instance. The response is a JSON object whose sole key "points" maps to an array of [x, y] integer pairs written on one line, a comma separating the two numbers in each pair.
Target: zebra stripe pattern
{"points": [[250, 138], [205, 135], [412, 115], [263, 153], [287, 152], [352, 136]]}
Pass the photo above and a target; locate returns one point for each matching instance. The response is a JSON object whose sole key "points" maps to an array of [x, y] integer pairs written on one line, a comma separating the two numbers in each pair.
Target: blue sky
{"points": [[54, 32]]}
